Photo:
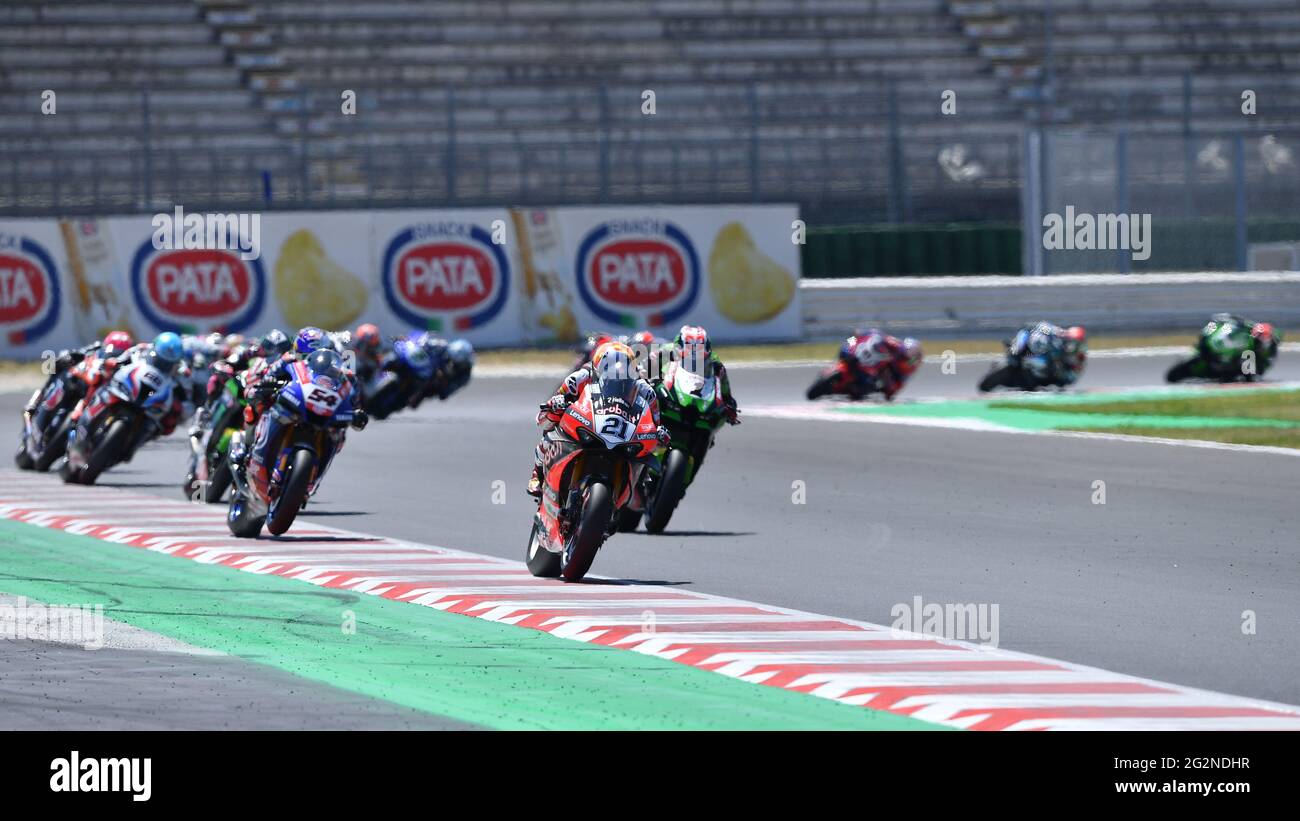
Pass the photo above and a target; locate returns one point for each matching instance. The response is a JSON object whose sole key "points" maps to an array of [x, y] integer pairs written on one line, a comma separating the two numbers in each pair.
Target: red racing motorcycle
{"points": [[593, 460]]}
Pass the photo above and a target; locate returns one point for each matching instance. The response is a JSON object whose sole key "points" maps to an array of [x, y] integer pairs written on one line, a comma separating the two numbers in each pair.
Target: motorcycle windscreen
{"points": [[619, 390], [695, 360]]}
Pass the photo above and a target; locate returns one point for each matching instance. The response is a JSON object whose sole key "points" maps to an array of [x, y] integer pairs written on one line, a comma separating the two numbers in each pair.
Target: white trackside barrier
{"points": [[991, 305]]}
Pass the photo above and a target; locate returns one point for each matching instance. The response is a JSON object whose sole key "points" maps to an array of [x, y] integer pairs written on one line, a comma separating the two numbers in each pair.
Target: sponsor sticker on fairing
{"points": [[445, 276], [638, 273], [29, 289]]}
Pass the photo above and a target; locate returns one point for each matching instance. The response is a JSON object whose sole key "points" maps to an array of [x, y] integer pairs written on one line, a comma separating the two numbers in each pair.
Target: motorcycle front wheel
{"points": [[668, 491], [823, 386], [292, 493], [56, 444], [588, 536], [1181, 371], [1007, 376], [22, 458], [109, 452]]}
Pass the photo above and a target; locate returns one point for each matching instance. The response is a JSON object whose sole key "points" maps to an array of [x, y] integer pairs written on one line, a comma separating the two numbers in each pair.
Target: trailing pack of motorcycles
{"points": [[1042, 355], [624, 436]]}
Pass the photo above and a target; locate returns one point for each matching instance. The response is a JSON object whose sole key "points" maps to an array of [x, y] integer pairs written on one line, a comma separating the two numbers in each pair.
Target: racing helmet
{"points": [[116, 343], [693, 335], [1263, 331], [693, 347], [311, 339], [274, 344], [461, 353], [1076, 339], [366, 337], [615, 371], [169, 347], [912, 355]]}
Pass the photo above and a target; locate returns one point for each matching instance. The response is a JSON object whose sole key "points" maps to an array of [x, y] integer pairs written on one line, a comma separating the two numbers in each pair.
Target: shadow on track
{"points": [[310, 513], [700, 533], [321, 539], [646, 582]]}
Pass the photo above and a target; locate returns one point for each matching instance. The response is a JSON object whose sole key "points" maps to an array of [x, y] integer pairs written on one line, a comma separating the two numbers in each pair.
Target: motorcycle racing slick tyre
{"points": [[589, 534], [668, 491], [293, 493]]}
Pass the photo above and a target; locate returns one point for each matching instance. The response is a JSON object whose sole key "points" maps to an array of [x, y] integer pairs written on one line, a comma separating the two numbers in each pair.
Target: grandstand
{"points": [[834, 104]]}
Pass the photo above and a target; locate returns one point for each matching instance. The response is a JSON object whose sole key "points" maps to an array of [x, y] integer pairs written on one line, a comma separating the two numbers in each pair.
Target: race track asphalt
{"points": [[1153, 583]]}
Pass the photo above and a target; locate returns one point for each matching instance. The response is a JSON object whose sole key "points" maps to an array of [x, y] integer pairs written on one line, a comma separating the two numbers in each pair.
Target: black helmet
{"points": [[275, 343]]}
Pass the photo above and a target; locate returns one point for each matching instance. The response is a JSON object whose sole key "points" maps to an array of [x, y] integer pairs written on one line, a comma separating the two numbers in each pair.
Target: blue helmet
{"points": [[169, 347], [461, 352], [311, 339]]}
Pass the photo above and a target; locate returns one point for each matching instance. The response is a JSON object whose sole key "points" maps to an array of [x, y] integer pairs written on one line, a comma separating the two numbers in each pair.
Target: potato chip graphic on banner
{"points": [[313, 289], [747, 286]]}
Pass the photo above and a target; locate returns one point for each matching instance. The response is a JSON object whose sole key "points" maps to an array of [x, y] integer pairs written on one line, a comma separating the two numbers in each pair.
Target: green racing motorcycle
{"points": [[691, 407], [210, 473], [1224, 350]]}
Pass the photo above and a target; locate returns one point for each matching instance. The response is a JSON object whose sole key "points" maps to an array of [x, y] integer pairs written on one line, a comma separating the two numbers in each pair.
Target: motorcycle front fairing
{"points": [[596, 440]]}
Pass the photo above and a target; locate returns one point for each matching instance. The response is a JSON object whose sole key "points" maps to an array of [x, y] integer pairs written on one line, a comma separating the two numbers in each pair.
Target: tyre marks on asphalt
{"points": [[952, 683]]}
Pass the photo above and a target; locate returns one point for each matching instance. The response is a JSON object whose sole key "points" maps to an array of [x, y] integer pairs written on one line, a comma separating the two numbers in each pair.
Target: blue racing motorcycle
{"points": [[293, 444]]}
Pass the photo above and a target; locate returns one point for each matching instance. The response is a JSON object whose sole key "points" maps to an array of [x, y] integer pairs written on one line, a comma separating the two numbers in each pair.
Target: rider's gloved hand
{"points": [[665, 438], [360, 419], [732, 413], [557, 403]]}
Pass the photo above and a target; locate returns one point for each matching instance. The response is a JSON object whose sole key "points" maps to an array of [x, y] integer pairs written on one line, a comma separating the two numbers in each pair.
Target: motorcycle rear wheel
{"points": [[668, 491], [542, 563], [588, 536], [56, 445], [292, 493]]}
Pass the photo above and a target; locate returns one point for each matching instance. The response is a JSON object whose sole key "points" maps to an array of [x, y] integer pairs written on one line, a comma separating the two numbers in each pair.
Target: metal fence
{"points": [[890, 157], [1205, 195]]}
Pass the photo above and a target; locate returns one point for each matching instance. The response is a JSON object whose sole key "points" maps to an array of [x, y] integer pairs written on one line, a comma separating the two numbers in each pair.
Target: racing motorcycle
{"points": [[210, 470], [691, 407], [1221, 351], [594, 460], [1023, 369], [312, 408], [119, 418], [44, 438], [401, 379], [841, 379]]}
